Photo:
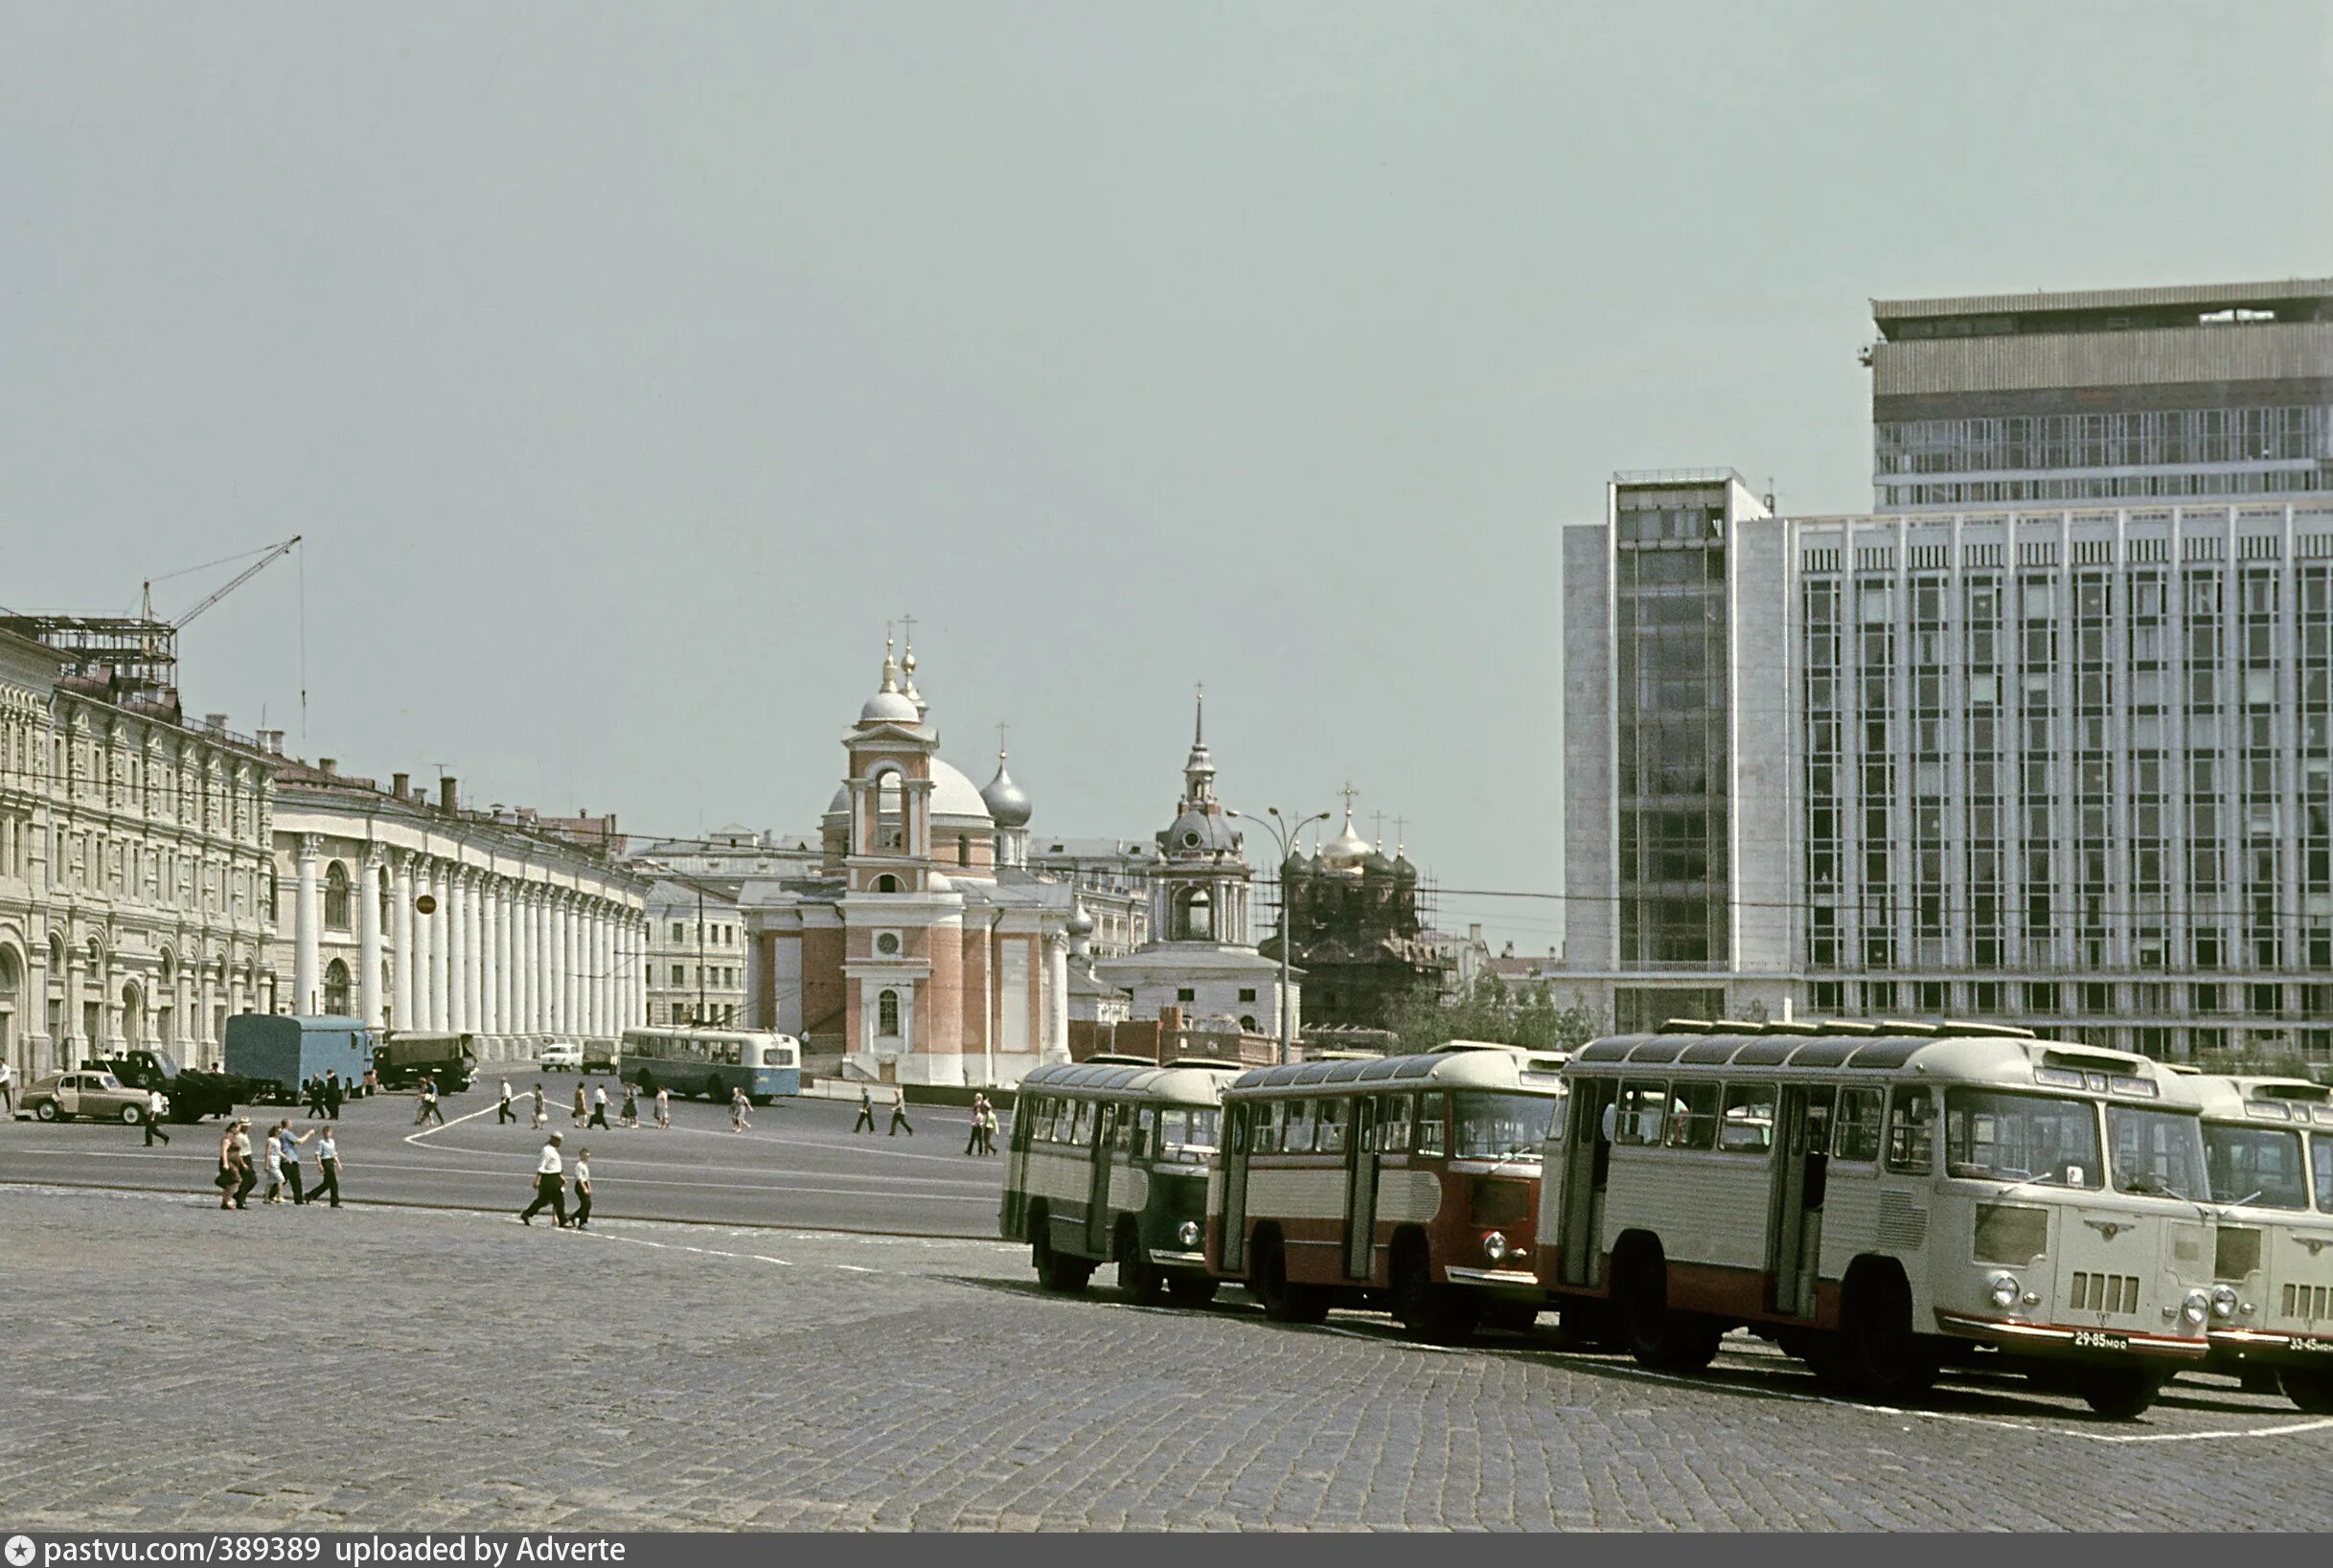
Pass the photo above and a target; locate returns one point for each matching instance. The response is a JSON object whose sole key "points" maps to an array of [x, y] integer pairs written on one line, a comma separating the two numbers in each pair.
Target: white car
{"points": [[561, 1057]]}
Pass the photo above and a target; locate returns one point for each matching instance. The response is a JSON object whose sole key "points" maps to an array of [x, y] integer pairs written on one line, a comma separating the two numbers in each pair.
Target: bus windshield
{"points": [[2160, 1153], [2258, 1166], [2022, 1137], [1189, 1134], [1492, 1127]]}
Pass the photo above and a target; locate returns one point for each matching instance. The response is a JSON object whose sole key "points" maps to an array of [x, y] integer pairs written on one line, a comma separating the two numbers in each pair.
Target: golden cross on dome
{"points": [[1348, 792]]}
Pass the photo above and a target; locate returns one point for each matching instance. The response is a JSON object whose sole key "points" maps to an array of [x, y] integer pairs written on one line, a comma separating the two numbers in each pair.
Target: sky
{"points": [[626, 367]]}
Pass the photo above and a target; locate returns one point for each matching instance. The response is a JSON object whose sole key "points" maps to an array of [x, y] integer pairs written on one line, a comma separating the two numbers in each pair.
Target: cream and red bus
{"points": [[2268, 1143], [1881, 1197], [1409, 1181], [1108, 1163]]}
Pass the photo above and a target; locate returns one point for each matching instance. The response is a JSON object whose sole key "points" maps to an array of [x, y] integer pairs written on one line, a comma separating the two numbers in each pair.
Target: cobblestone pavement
{"points": [[170, 1366]]}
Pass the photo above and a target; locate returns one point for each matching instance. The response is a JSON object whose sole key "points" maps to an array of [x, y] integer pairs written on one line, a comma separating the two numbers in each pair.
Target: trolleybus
{"points": [[1107, 1165], [1407, 1181], [711, 1062], [1878, 1196], [2268, 1143]]}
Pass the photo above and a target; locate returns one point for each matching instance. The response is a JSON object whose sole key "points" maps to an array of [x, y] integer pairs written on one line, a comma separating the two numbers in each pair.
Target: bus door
{"points": [[1361, 1188], [1793, 1231], [1586, 1166], [1016, 1170], [1097, 1195], [1238, 1116]]}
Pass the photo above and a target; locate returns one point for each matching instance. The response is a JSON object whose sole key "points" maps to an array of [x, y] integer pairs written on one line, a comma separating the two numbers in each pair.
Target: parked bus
{"points": [[1108, 1164], [2268, 1143], [1876, 1198], [711, 1062], [1409, 1181]]}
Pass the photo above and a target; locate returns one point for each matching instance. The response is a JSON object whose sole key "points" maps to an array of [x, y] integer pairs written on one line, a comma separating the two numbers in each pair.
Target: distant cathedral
{"points": [[1353, 912]]}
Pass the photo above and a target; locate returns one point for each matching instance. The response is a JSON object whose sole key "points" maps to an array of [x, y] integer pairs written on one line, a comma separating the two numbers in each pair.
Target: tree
{"points": [[1490, 1010]]}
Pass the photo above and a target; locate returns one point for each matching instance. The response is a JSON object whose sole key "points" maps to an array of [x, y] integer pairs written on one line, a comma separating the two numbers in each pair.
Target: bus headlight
{"points": [[1495, 1247], [2196, 1307], [2222, 1302], [2004, 1290], [1188, 1236]]}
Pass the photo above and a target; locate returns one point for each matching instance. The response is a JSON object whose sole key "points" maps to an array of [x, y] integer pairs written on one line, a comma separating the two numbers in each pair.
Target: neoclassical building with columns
{"points": [[923, 949], [413, 912]]}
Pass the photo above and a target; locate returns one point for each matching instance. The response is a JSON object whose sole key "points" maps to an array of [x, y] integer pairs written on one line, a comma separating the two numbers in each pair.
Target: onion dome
{"points": [[890, 705], [1344, 853], [1006, 801], [1081, 924]]}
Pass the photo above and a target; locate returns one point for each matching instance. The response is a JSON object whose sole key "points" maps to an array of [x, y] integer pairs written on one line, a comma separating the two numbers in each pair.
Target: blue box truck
{"points": [[279, 1052]]}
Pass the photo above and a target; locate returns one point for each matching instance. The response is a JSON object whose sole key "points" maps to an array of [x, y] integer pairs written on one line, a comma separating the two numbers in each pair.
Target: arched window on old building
{"points": [[336, 896], [1194, 916], [336, 988], [886, 1014]]}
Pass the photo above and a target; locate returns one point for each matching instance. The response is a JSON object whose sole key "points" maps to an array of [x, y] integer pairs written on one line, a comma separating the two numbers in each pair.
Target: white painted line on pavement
{"points": [[414, 1138]]}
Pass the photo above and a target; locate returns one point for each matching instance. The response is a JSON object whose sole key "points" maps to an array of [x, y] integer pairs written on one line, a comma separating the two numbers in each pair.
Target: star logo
{"points": [[20, 1551]]}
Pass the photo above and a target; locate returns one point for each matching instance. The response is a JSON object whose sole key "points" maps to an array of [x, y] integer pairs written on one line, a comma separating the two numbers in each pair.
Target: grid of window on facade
{"points": [[1670, 720], [2059, 775]]}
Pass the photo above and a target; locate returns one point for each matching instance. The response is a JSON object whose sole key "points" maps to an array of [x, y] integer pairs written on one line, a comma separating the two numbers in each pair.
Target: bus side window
{"points": [[1911, 1131], [1126, 1126], [1641, 1107], [1236, 1117], [1080, 1125], [1393, 1126], [1267, 1118], [1329, 1126], [1856, 1135], [1693, 1117], [1432, 1124], [1146, 1133], [1296, 1132], [1748, 1126]]}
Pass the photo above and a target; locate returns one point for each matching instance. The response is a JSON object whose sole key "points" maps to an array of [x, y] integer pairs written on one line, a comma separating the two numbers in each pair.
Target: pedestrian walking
{"points": [[550, 1188], [664, 1109], [737, 1109], [583, 1189], [503, 1112], [866, 1111], [579, 1113], [333, 1088], [371, 1083], [311, 1094], [429, 1106], [598, 1109], [971, 1139], [288, 1147], [543, 1112], [327, 1166], [988, 1131], [8, 1086], [154, 1119], [629, 1115], [273, 1154], [235, 1175], [898, 1113]]}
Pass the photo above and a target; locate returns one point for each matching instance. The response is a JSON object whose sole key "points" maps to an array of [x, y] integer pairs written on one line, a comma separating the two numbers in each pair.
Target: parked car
{"points": [[60, 1097], [561, 1057]]}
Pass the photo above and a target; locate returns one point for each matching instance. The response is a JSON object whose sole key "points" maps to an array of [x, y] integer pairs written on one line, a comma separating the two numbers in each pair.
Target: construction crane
{"points": [[274, 552]]}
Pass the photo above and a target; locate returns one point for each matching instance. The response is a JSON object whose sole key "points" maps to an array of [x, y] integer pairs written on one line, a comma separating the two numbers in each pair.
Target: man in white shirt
{"points": [[582, 1188], [154, 1119], [550, 1187], [599, 1107], [503, 1113], [8, 1086]]}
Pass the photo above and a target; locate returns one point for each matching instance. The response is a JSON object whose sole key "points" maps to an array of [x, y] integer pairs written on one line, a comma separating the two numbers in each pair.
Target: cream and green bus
{"points": [[1879, 1198], [2268, 1143], [1108, 1163]]}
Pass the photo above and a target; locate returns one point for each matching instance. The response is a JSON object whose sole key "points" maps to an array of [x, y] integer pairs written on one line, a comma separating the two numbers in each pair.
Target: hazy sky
{"points": [[627, 366]]}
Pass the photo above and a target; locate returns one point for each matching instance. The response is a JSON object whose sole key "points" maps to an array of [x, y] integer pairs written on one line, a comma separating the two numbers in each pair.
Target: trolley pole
{"points": [[1284, 831]]}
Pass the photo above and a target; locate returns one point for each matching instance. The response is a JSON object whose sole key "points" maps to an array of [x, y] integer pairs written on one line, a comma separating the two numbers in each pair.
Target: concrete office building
{"points": [[2169, 394], [2068, 767]]}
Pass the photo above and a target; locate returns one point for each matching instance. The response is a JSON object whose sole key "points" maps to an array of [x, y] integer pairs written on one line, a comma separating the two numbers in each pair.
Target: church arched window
{"points": [[886, 1014], [1195, 917], [887, 883]]}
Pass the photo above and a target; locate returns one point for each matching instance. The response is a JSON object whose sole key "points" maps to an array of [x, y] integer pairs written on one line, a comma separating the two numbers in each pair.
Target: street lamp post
{"points": [[1284, 831]]}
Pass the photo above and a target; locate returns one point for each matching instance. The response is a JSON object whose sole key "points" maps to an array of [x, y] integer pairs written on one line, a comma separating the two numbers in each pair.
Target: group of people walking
{"points": [[550, 1188], [279, 1154], [866, 1112], [591, 1113], [322, 1096], [983, 1136]]}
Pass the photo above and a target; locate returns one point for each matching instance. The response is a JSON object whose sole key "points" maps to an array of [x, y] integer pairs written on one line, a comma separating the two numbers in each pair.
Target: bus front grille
{"points": [[2105, 1292], [2308, 1300]]}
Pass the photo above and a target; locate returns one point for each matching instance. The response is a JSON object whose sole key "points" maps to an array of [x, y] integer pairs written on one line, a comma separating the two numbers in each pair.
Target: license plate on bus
{"points": [[2097, 1339]]}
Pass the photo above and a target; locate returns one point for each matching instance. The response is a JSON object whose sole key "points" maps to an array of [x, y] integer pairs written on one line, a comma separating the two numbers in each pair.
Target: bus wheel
{"points": [[1439, 1314], [1191, 1290], [2118, 1393], [1063, 1276], [1658, 1338], [1139, 1278], [2311, 1388], [1876, 1355], [1283, 1302]]}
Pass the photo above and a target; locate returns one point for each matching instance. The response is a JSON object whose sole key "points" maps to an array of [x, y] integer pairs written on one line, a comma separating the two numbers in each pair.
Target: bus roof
{"points": [[1470, 1064], [1179, 1082], [1939, 1052], [684, 1033], [2233, 1098]]}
